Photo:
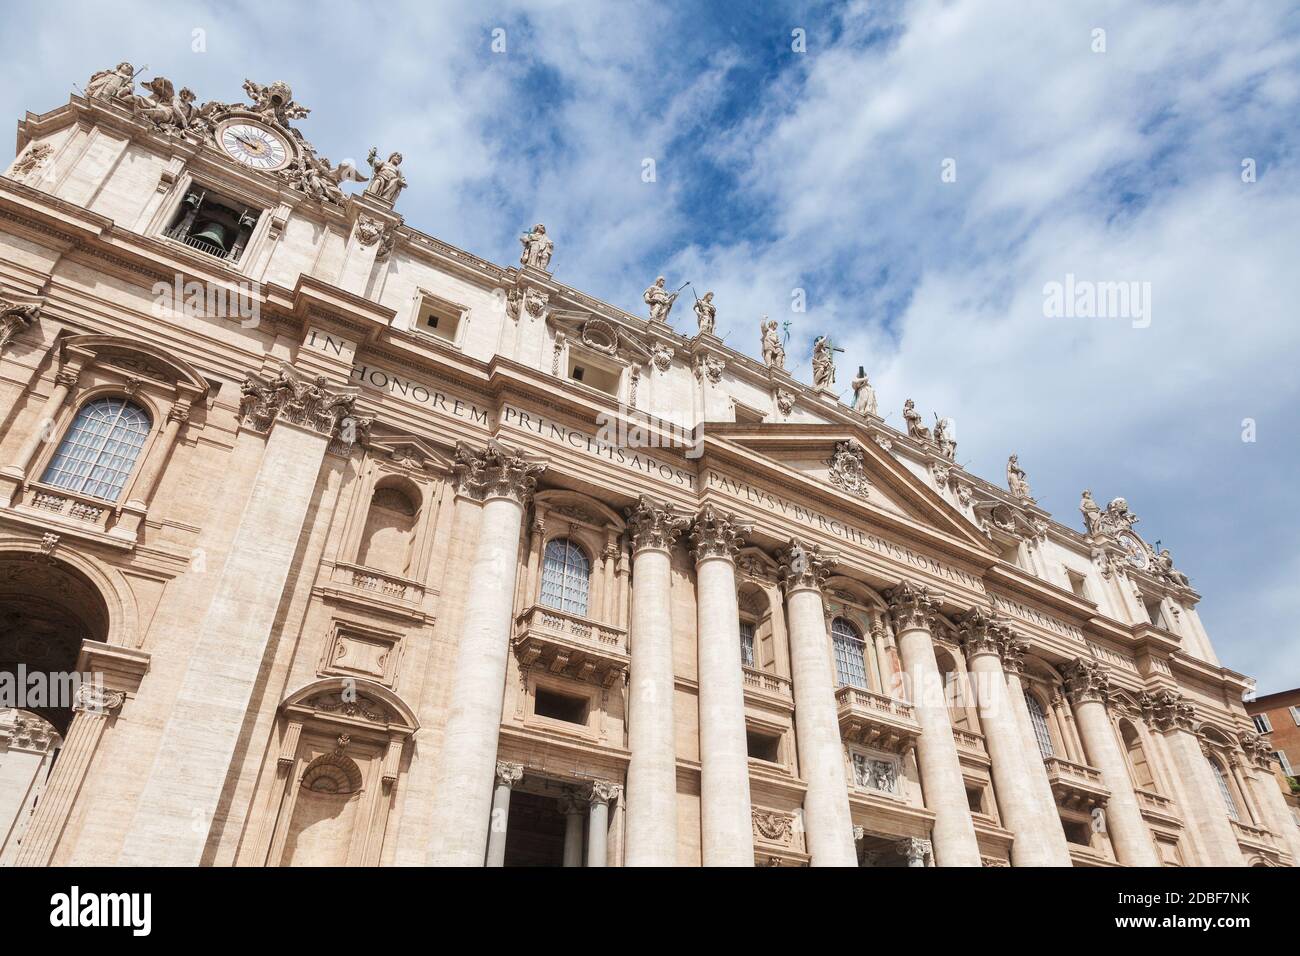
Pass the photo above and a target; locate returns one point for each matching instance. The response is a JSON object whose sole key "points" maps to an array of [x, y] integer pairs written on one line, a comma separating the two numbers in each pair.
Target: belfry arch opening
{"points": [[47, 609]]}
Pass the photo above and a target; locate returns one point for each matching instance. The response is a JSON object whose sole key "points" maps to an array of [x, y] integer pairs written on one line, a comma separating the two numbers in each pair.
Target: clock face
{"points": [[1137, 554], [254, 146]]}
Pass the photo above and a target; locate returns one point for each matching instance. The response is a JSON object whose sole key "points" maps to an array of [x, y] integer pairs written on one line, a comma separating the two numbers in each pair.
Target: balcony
{"points": [[875, 720], [969, 741], [766, 683], [375, 589], [1253, 836], [570, 645], [1075, 786], [1156, 805]]}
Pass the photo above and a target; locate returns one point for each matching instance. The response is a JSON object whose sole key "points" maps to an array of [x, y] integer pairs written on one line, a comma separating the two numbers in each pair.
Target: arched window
{"points": [[1039, 721], [390, 529], [97, 454], [566, 575], [850, 664], [1224, 788]]}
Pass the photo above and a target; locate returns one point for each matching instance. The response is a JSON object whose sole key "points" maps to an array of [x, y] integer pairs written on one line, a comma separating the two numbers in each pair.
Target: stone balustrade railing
{"points": [[770, 683], [552, 620]]}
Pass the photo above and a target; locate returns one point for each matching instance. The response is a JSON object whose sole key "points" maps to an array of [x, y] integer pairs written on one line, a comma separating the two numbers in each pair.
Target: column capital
{"points": [[1167, 710], [654, 525], [1258, 749], [1013, 649], [179, 412], [717, 534], [915, 850], [311, 402], [1085, 680], [95, 699], [68, 376], [605, 791], [804, 566], [980, 633], [509, 773], [495, 471], [913, 605]]}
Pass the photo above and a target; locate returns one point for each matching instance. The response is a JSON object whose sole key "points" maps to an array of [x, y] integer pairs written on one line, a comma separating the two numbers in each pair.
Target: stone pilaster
{"points": [[182, 791], [504, 480], [727, 837], [1203, 810], [652, 771], [913, 607], [828, 823], [982, 641], [1088, 685], [91, 710]]}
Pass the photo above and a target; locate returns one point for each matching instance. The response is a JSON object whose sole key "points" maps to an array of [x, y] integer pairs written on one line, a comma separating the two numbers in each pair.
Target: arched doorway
{"points": [[47, 609]]}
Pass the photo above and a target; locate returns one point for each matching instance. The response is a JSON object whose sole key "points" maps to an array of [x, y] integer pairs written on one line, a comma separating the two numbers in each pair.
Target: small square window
{"points": [[764, 746], [594, 374], [1077, 832], [557, 706], [440, 318]]}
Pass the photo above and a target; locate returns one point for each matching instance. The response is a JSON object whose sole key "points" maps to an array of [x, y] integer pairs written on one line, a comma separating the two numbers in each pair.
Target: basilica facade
{"points": [[324, 542]]}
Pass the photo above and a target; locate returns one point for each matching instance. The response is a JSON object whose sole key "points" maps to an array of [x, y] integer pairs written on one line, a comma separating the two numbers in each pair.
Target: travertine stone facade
{"points": [[375, 552]]}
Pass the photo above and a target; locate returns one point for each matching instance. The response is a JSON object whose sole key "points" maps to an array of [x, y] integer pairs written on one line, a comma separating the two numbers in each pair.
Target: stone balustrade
{"points": [[569, 644], [1076, 786], [875, 720]]}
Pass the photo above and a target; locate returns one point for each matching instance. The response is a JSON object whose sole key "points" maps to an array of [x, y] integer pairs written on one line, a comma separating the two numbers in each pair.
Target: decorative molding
{"points": [[1086, 680], [496, 471], [849, 470], [313, 404], [509, 773], [716, 534], [802, 566], [912, 605], [1167, 710]]}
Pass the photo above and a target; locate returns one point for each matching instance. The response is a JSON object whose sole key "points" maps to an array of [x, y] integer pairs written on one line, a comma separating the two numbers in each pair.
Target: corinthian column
{"points": [[1203, 808], [981, 639], [828, 824], [651, 732], [462, 798], [1260, 752], [913, 607], [1040, 788], [1088, 685], [726, 822]]}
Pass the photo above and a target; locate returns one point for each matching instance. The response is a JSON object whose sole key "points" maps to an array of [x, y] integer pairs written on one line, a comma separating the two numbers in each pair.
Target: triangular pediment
{"points": [[409, 451], [850, 464]]}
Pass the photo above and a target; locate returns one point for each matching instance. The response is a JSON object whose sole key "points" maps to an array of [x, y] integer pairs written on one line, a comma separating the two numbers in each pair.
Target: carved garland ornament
{"points": [[773, 825]]}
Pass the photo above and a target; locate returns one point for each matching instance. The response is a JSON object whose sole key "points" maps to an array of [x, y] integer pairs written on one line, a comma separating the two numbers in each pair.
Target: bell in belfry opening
{"points": [[214, 233]]}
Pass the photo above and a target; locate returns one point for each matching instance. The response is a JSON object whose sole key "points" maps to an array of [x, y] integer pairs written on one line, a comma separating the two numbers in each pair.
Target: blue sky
{"points": [[820, 170]]}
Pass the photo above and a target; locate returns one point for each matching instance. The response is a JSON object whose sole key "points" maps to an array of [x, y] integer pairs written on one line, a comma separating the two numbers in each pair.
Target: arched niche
{"points": [[340, 748]]}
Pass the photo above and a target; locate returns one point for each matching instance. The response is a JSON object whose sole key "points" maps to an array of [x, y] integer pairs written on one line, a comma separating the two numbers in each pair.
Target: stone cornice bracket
{"points": [[717, 535], [16, 317], [654, 525], [912, 605], [509, 773], [1085, 680], [1257, 748], [313, 403], [980, 633], [603, 791], [804, 566], [1167, 710], [496, 471]]}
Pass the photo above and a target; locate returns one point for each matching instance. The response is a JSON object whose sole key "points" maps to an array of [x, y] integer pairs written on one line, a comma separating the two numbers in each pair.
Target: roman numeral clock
{"points": [[253, 144]]}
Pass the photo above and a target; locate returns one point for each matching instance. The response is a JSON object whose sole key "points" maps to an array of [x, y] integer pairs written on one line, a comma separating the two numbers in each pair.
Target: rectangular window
{"points": [[1078, 583], [747, 643], [763, 746], [1286, 764], [1295, 715], [439, 317], [594, 374], [1262, 723], [557, 706]]}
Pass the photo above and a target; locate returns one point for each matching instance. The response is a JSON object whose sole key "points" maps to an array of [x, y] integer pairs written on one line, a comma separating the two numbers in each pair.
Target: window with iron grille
{"points": [[1224, 789], [850, 650], [566, 575], [1038, 719], [97, 454], [747, 643]]}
